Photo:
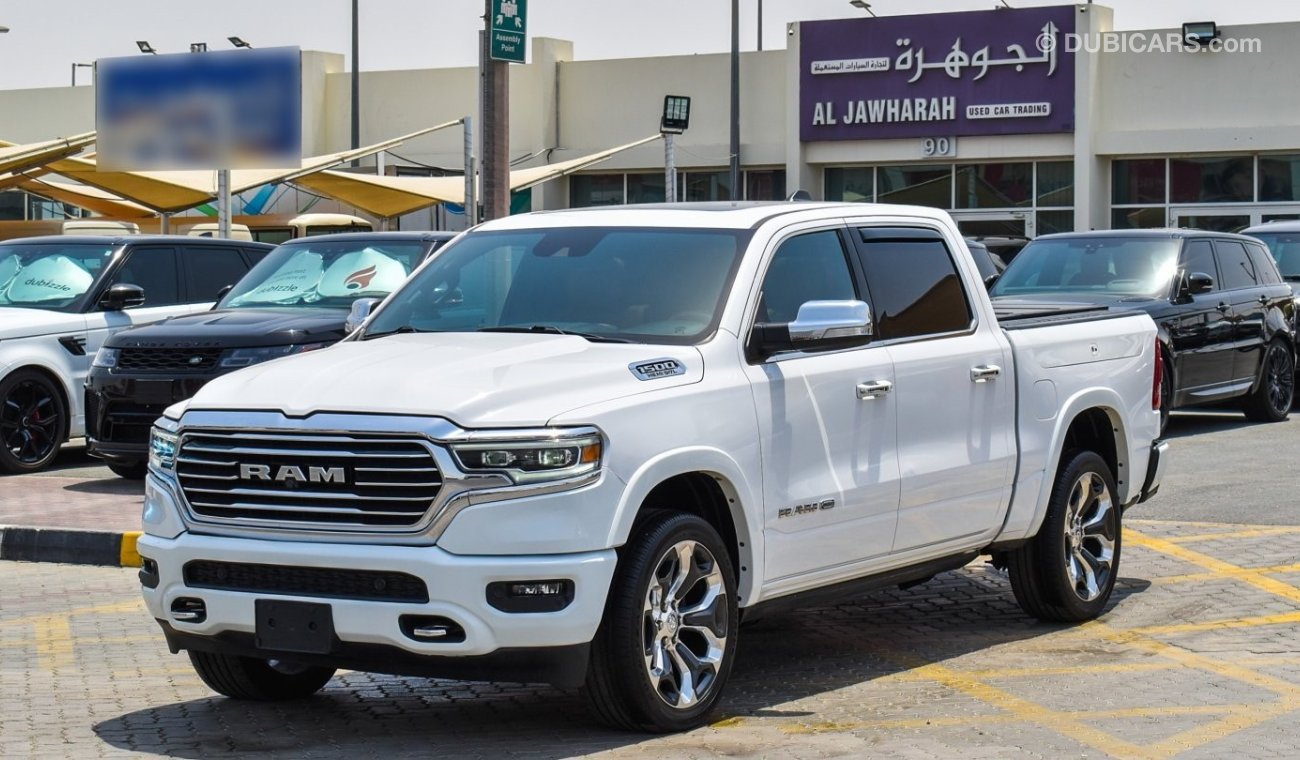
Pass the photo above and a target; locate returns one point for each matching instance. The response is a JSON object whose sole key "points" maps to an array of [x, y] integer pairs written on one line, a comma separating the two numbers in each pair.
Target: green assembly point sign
{"points": [[508, 30]]}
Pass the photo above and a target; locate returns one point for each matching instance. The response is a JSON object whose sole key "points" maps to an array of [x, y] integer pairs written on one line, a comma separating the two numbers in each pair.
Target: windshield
{"points": [[49, 276], [642, 285], [1133, 266], [1285, 247], [326, 274]]}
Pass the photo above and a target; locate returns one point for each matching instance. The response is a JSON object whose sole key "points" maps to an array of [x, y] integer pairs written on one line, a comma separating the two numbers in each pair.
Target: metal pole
{"points": [[760, 24], [165, 223], [735, 99], [471, 202], [74, 75], [670, 169], [223, 203], [495, 153], [356, 81]]}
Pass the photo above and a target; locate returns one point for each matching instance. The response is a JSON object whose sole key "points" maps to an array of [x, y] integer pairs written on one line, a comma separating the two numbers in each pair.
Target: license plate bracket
{"points": [[154, 391], [285, 626]]}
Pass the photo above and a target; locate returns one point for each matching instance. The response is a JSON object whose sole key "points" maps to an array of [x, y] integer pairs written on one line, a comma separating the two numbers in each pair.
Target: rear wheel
{"points": [[1067, 572], [665, 647], [32, 421], [258, 680], [1271, 400]]}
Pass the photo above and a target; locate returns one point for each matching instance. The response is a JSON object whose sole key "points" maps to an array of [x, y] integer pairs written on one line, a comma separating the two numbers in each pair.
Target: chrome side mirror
{"points": [[829, 320], [360, 312]]}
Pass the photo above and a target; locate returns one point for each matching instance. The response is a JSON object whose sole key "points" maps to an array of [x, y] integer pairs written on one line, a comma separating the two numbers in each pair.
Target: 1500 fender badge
{"points": [[657, 368], [806, 509]]}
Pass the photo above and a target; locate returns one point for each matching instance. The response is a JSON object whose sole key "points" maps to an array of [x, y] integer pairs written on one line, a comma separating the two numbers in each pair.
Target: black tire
{"points": [[1166, 393], [1271, 399], [1082, 528], [258, 680], [33, 421], [133, 471], [622, 688]]}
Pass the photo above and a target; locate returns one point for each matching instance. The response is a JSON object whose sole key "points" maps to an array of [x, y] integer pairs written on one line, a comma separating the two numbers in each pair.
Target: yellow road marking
{"points": [[129, 557], [1225, 569], [54, 648], [1277, 530], [1286, 618], [100, 609], [985, 720]]}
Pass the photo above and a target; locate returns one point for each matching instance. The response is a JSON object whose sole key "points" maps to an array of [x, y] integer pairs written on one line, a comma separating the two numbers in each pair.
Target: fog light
{"points": [[187, 609], [550, 595]]}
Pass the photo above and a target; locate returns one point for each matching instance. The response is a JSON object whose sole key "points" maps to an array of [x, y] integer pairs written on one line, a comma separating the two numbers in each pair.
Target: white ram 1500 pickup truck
{"points": [[580, 447]]}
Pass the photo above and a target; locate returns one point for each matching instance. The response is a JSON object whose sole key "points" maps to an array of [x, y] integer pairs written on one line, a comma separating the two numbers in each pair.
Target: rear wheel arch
{"points": [[1099, 430]]}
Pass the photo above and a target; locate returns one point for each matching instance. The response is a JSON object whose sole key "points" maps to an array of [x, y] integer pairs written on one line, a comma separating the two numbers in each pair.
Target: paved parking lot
{"points": [[1199, 657]]}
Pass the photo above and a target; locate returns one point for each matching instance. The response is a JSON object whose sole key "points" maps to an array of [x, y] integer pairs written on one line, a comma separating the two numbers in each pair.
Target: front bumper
{"points": [[1155, 469], [121, 407], [369, 634]]}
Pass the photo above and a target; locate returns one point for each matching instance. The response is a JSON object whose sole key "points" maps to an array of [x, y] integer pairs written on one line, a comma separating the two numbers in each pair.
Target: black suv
{"points": [[296, 299], [1226, 317]]}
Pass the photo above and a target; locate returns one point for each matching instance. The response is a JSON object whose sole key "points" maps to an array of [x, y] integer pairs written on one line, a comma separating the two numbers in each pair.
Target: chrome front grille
{"points": [[307, 481]]}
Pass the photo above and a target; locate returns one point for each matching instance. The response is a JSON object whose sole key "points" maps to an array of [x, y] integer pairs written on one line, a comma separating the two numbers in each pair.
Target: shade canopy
{"points": [[99, 201], [171, 191], [385, 196], [16, 158]]}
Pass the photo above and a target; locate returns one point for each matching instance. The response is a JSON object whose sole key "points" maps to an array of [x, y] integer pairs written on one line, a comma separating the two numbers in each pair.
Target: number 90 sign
{"points": [[939, 146]]}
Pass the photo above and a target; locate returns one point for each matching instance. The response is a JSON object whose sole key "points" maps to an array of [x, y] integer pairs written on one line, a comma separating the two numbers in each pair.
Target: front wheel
{"points": [[32, 422], [665, 647], [1067, 572], [1271, 400], [131, 471], [258, 680]]}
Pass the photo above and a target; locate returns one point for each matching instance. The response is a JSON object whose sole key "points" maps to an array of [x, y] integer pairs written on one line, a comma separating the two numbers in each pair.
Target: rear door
{"points": [[954, 388], [1201, 331], [1249, 302], [207, 269]]}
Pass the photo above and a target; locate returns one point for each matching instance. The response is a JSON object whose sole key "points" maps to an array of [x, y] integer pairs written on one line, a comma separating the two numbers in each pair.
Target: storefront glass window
{"points": [[1138, 181], [1054, 221], [852, 184], [1212, 180], [1056, 183], [708, 186], [995, 185], [916, 185], [645, 188], [595, 190], [765, 185], [1279, 178], [11, 204], [1136, 218]]}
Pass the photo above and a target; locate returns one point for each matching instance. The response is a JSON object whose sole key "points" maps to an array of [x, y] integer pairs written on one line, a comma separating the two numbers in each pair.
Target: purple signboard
{"points": [[998, 72]]}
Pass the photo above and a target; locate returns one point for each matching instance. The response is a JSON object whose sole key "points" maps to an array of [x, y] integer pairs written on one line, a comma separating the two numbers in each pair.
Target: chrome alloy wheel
{"points": [[685, 624], [1089, 536]]}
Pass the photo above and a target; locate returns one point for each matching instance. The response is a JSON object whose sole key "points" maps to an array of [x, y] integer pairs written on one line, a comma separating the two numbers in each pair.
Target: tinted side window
{"points": [[1265, 268], [1199, 257], [1238, 271], [809, 267], [155, 270], [915, 288], [209, 269]]}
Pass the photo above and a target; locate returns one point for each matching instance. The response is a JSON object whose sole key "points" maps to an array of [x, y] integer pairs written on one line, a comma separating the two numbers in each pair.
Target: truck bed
{"points": [[1023, 316]]}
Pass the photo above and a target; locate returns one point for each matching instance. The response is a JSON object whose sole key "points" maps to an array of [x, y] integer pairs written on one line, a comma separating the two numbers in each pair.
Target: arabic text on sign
{"points": [[850, 66]]}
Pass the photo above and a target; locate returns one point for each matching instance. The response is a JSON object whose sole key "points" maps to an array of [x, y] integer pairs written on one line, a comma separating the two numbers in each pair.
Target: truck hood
{"points": [[237, 328], [472, 379], [30, 323]]}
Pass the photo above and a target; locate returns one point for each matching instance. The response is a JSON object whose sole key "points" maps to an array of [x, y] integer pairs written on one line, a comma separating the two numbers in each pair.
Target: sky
{"points": [[45, 38]]}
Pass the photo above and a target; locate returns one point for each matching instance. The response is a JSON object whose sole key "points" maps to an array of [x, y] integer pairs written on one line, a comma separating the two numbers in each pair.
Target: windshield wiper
{"points": [[553, 330], [404, 329], [1291, 277]]}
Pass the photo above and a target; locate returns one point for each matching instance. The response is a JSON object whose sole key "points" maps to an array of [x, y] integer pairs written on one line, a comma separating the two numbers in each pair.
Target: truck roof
{"points": [[738, 215]]}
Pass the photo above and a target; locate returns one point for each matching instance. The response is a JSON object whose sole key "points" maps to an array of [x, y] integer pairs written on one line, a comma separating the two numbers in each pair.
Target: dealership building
{"points": [[1018, 121]]}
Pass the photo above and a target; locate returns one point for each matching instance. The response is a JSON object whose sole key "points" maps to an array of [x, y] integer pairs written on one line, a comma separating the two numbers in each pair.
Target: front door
{"points": [[1201, 332], [830, 467]]}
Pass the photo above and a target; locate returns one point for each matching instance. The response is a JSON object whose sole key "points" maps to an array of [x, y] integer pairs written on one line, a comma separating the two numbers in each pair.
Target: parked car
{"points": [[990, 266], [1226, 318], [297, 299], [576, 445], [1004, 248], [62, 296], [1283, 241]]}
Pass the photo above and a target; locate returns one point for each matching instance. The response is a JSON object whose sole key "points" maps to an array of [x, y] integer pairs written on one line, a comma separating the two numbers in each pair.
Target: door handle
{"points": [[874, 389], [1223, 307], [1263, 300], [984, 373]]}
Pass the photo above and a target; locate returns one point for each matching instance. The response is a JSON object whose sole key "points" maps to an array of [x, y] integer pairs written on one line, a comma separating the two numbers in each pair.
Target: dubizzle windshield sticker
{"points": [[55, 278], [360, 280], [291, 282]]}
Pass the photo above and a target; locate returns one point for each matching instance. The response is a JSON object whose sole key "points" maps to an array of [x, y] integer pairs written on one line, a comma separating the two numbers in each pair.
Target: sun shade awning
{"points": [[16, 158], [171, 191], [83, 196], [385, 196]]}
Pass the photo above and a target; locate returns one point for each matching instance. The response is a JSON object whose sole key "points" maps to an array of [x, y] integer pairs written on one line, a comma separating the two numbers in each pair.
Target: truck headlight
{"points": [[532, 460], [245, 357], [162, 449], [106, 358]]}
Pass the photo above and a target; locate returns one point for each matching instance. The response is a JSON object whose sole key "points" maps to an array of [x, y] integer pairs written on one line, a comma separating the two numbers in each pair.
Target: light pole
{"points": [[76, 66], [356, 81], [145, 47], [735, 100], [760, 24], [863, 5], [4, 30], [239, 42]]}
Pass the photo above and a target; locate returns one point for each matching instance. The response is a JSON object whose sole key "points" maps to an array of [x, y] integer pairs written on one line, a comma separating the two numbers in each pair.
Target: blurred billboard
{"points": [[231, 109]]}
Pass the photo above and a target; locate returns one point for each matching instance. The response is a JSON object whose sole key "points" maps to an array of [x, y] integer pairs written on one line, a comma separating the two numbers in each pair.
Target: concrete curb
{"points": [[77, 547]]}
